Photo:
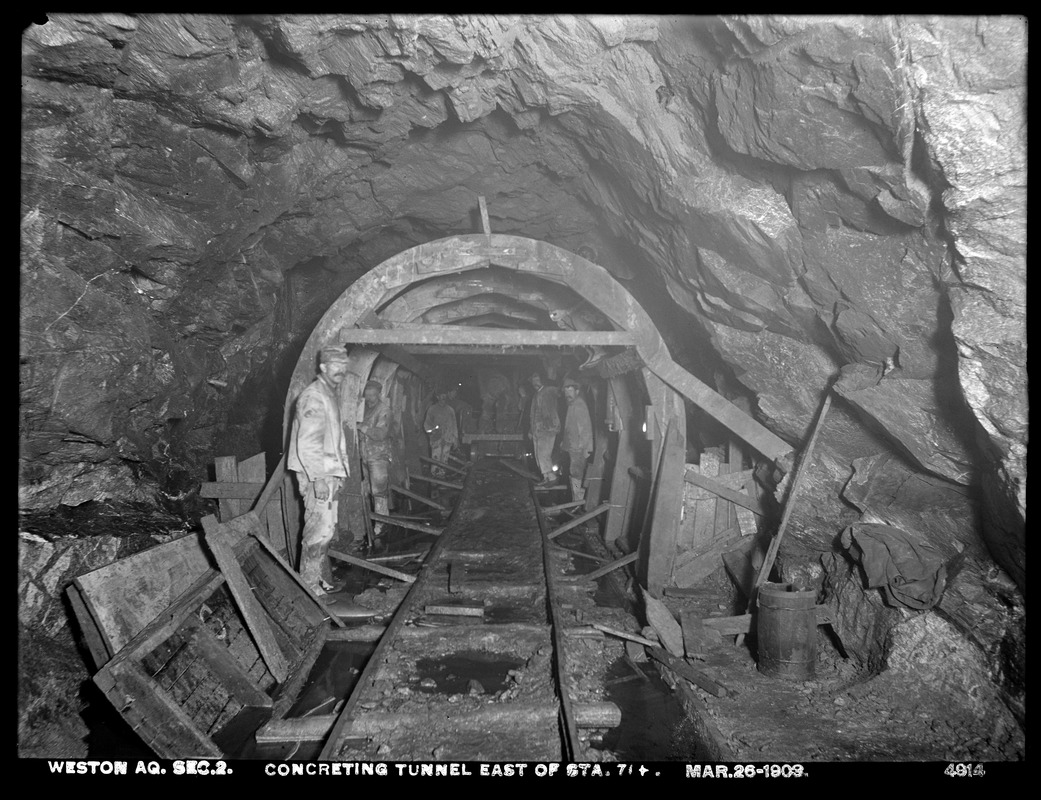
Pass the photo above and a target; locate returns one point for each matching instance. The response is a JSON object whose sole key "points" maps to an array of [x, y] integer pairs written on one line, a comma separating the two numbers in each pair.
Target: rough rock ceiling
{"points": [[790, 196]]}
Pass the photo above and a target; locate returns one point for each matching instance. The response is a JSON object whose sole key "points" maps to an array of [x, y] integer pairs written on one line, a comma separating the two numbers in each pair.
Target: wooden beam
{"points": [[468, 438], [574, 523], [579, 554], [395, 352], [531, 476], [485, 225], [462, 334], [295, 576], [404, 523], [632, 637], [405, 492], [668, 495], [740, 498], [684, 670], [562, 506], [252, 612], [226, 470], [231, 490], [438, 481], [720, 409], [361, 562], [621, 562]]}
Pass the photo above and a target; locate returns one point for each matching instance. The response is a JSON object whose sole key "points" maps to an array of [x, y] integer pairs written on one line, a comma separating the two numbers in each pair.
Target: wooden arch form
{"points": [[354, 320]]}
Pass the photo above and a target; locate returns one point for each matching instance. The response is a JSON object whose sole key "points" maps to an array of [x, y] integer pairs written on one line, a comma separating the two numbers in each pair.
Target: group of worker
{"points": [[318, 451]]}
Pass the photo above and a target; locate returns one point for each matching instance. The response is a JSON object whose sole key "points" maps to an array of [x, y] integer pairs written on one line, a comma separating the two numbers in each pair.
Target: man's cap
{"points": [[374, 385], [571, 382], [333, 353]]}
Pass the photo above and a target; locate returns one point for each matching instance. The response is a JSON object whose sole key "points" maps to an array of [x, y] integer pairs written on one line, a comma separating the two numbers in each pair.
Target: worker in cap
{"points": [[543, 426], [318, 456], [442, 430], [374, 441], [577, 440]]}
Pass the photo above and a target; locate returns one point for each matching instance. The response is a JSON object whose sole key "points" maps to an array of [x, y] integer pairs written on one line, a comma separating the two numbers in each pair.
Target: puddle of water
{"points": [[331, 678], [452, 673], [650, 717]]}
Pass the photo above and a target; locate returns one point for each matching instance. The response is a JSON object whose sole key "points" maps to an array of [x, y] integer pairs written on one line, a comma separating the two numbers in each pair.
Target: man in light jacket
{"points": [[544, 426], [578, 437], [318, 455]]}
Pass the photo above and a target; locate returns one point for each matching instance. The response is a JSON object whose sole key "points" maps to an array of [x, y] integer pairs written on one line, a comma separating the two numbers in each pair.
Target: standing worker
{"points": [[318, 455], [440, 426], [373, 433], [578, 436], [543, 427]]}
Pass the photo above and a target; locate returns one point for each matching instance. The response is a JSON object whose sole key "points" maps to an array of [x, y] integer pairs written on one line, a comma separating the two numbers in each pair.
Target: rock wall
{"points": [[799, 197]]}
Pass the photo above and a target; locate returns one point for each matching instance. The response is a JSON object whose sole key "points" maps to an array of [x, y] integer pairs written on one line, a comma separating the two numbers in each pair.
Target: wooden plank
{"points": [[522, 472], [163, 724], [469, 438], [227, 471], [274, 522], [562, 506], [418, 497], [438, 481], [684, 670], [396, 353], [574, 523], [254, 470], [405, 523], [295, 577], [89, 629], [718, 407], [696, 569], [412, 333], [227, 669], [456, 576], [361, 562], [668, 498], [624, 457], [695, 640], [632, 637], [717, 488], [256, 619], [485, 226], [126, 595], [742, 623], [738, 563], [579, 554], [722, 505], [621, 562], [231, 490], [459, 611]]}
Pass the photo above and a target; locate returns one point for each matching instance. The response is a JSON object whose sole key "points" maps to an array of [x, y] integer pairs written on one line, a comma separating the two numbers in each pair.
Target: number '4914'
{"points": [[963, 770]]}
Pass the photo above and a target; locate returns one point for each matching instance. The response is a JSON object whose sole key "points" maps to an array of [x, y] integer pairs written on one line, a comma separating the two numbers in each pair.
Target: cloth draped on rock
{"points": [[910, 573]]}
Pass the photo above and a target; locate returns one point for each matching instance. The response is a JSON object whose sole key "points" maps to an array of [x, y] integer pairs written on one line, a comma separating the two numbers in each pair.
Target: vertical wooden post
{"points": [[252, 470], [226, 469], [668, 494], [624, 457]]}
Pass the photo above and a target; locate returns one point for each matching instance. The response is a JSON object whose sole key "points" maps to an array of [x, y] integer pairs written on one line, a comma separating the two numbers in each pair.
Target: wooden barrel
{"points": [[787, 632]]}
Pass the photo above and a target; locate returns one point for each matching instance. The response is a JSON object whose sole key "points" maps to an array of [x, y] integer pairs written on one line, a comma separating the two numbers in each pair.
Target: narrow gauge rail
{"points": [[482, 620]]}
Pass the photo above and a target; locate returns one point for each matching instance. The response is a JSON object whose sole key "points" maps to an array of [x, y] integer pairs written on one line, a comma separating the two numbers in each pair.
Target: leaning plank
{"points": [[88, 627], [562, 506], [660, 547], [404, 523], [574, 523], [361, 562], [406, 493], [740, 498], [438, 481], [621, 562], [579, 554], [226, 469], [253, 613], [632, 637], [522, 472], [292, 573], [718, 407], [231, 490], [684, 670]]}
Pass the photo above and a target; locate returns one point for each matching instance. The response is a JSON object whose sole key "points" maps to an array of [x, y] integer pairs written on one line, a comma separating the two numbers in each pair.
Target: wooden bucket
{"points": [[787, 632]]}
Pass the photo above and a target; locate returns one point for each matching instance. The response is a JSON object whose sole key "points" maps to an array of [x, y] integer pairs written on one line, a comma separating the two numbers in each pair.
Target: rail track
{"points": [[474, 665]]}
